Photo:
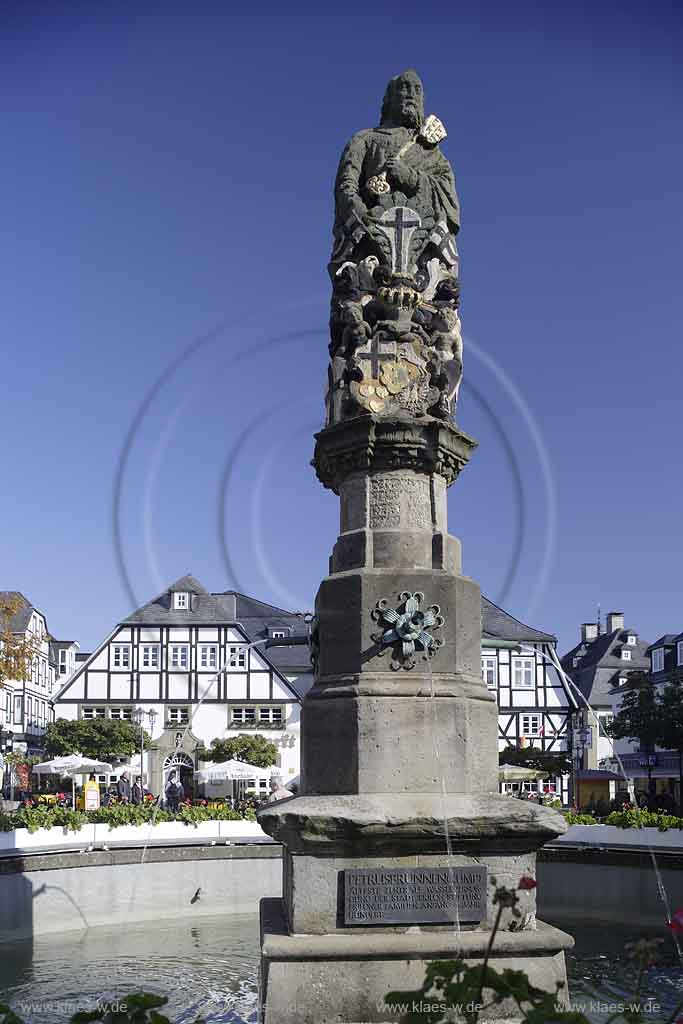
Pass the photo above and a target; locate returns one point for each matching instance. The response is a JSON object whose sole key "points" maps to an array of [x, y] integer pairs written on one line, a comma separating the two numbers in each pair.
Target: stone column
{"points": [[399, 749]]}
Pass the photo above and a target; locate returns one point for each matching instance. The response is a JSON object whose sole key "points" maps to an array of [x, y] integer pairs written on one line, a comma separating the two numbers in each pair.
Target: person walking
{"points": [[174, 792], [123, 788]]}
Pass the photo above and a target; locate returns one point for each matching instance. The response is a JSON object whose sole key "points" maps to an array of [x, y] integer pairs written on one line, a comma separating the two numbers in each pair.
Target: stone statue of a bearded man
{"points": [[395, 340], [397, 165]]}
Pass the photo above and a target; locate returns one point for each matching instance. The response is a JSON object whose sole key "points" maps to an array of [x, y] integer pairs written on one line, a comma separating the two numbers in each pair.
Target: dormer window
{"points": [[278, 632], [625, 654], [632, 639], [658, 660], [181, 600]]}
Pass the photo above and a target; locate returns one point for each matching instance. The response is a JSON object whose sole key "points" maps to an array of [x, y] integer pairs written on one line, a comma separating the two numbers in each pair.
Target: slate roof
{"points": [[600, 665], [21, 618], [205, 608], [257, 617], [498, 624], [668, 640]]}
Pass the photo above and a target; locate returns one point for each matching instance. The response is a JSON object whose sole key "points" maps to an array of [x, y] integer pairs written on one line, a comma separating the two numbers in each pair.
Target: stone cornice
{"points": [[369, 443]]}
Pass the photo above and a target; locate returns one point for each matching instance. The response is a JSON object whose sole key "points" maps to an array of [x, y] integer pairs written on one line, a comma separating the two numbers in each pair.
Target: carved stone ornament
{"points": [[396, 343], [406, 629], [372, 443]]}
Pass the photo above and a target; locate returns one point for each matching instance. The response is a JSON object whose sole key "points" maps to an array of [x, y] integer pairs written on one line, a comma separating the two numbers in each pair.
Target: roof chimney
{"points": [[589, 632], [615, 620]]}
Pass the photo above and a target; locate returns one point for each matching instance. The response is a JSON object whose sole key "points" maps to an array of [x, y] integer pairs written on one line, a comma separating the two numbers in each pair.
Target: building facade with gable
{"points": [[535, 705], [26, 704], [187, 656], [600, 665]]}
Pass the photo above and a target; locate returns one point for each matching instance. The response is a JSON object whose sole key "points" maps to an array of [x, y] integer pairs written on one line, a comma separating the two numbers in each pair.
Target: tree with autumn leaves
{"points": [[17, 648]]}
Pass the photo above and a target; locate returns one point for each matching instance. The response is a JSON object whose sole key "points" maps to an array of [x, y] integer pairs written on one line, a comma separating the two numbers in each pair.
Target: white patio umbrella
{"points": [[72, 765], [227, 771], [515, 773], [232, 771]]}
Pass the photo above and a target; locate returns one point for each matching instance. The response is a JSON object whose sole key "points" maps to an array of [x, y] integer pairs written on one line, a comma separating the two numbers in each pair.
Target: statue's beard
{"points": [[410, 116]]}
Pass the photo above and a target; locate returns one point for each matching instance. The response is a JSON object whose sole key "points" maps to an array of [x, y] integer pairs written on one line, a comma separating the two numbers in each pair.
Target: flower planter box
{"points": [[234, 831], [611, 835], [163, 832], [22, 841]]}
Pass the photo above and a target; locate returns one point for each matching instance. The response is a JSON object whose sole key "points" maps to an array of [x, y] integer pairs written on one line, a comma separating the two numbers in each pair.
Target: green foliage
{"points": [[531, 757], [579, 819], [45, 816], [639, 715], [253, 749], [101, 739], [637, 818]]}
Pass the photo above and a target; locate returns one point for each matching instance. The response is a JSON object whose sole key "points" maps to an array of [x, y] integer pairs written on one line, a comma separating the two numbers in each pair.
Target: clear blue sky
{"points": [[166, 178]]}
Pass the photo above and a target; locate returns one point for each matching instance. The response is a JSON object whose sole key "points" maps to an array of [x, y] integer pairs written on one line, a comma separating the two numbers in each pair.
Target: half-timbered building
{"points": [[25, 704], [535, 706], [189, 657]]}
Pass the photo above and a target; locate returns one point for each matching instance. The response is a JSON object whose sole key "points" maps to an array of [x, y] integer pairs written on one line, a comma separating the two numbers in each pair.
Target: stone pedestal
{"points": [[399, 751]]}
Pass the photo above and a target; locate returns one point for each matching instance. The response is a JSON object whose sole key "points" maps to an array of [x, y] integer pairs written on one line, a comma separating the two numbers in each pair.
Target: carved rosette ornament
{"points": [[407, 628]]}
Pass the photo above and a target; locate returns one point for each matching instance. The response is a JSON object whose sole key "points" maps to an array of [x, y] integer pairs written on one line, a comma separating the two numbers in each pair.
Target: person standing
{"points": [[91, 794], [174, 792], [138, 793], [123, 788]]}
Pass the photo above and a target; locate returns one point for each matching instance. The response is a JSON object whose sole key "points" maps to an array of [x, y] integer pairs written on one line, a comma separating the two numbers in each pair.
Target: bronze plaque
{"points": [[414, 895]]}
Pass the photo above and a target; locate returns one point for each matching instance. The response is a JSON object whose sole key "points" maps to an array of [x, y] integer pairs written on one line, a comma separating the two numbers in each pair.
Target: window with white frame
{"points": [[150, 656], [625, 654], [18, 709], [523, 671], [489, 670], [208, 656], [658, 660], [124, 714], [62, 662], [271, 715], [237, 657], [121, 655], [243, 715], [29, 711], [679, 654], [623, 680], [90, 712], [178, 716], [181, 600], [531, 725], [632, 639], [278, 633], [180, 655]]}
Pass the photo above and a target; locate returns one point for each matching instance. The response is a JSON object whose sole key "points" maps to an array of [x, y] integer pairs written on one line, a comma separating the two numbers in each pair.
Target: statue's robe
{"points": [[366, 155]]}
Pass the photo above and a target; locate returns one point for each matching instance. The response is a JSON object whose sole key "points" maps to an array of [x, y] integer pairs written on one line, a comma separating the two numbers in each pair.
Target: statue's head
{"points": [[403, 103]]}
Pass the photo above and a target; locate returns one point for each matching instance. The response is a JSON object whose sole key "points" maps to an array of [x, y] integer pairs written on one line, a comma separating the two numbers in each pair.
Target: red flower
{"points": [[526, 883], [676, 922]]}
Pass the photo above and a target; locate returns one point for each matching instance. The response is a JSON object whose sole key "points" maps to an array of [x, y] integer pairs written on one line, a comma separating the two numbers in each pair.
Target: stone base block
{"points": [[344, 978], [314, 888]]}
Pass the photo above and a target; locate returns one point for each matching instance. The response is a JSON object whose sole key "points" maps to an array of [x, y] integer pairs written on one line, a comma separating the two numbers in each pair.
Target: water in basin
{"points": [[209, 968]]}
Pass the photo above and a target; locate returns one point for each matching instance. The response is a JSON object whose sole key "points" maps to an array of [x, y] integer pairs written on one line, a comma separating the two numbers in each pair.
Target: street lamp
{"points": [[139, 716]]}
